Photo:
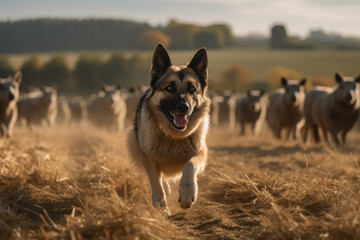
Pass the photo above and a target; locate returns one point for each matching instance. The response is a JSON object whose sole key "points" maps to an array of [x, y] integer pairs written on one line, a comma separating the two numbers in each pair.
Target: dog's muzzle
{"points": [[179, 116]]}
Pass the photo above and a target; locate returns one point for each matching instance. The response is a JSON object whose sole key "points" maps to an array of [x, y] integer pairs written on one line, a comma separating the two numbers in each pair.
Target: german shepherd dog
{"points": [[171, 125]]}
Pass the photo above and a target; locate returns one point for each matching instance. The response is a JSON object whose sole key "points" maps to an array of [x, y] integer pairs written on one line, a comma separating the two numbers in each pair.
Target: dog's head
{"points": [[348, 89], [294, 91], [178, 99], [9, 88]]}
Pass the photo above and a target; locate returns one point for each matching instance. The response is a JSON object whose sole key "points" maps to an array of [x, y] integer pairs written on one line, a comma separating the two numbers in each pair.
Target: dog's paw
{"points": [[166, 212], [162, 206], [187, 194]]}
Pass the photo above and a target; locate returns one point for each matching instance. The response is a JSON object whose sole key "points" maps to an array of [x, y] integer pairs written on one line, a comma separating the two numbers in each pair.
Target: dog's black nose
{"points": [[11, 97], [182, 107]]}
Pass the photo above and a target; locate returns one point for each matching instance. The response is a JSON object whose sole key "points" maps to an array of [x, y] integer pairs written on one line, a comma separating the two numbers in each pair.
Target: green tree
{"points": [[225, 31], [88, 73], [55, 72], [116, 69], [6, 69], [209, 38], [278, 36], [149, 39], [31, 71], [139, 70], [237, 78], [181, 34]]}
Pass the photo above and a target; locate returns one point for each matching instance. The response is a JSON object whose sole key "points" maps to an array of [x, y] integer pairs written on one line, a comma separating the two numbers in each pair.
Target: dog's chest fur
{"points": [[156, 144]]}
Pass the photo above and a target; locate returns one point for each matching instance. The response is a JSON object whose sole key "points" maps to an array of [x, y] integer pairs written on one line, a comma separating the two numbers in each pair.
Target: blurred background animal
{"points": [[285, 106], [9, 95], [39, 107], [334, 110], [221, 110], [78, 110], [107, 109], [63, 116], [132, 98], [248, 108]]}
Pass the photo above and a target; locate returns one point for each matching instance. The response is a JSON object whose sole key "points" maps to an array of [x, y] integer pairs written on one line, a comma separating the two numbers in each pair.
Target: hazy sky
{"points": [[244, 16]]}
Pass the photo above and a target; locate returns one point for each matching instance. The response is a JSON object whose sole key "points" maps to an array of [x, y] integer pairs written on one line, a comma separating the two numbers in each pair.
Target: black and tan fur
{"points": [[161, 143]]}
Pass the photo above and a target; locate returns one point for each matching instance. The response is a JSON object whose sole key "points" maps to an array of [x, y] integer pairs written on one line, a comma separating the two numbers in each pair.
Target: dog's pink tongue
{"points": [[180, 120]]}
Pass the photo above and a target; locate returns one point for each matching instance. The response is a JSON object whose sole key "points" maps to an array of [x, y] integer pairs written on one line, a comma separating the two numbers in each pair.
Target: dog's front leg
{"points": [[158, 194], [188, 183]]}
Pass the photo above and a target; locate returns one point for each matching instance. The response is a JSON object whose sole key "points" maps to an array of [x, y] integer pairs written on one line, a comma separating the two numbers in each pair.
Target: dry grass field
{"points": [[78, 183]]}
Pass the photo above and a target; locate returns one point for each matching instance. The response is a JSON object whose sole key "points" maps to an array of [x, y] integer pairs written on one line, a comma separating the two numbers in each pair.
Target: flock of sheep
{"points": [[332, 110], [43, 107]]}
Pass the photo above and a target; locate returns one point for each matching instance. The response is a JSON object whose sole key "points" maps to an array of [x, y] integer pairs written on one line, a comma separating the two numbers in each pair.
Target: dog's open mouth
{"points": [[179, 120]]}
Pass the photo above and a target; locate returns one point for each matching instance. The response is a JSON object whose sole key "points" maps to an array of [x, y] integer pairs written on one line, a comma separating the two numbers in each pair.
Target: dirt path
{"points": [[248, 179], [78, 184]]}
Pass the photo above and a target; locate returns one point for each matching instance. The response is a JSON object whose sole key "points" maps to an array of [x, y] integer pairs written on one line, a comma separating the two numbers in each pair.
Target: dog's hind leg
{"points": [[188, 187]]}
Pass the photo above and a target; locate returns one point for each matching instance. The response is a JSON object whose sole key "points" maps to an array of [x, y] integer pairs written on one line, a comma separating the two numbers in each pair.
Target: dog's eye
{"points": [[191, 89], [170, 89]]}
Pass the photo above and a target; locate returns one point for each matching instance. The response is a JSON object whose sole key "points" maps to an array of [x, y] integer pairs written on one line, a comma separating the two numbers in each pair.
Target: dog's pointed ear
{"points": [[284, 81], [160, 63], [339, 77], [302, 82], [262, 92], [17, 77], [199, 64]]}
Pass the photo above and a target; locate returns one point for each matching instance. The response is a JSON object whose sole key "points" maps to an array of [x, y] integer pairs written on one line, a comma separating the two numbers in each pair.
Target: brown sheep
{"points": [[78, 110], [334, 110], [285, 105], [108, 109], [39, 106], [63, 116], [249, 108], [221, 110]]}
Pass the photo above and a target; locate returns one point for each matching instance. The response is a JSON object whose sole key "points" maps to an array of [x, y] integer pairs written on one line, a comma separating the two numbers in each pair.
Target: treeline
{"points": [[89, 73], [92, 71], [316, 39], [44, 35]]}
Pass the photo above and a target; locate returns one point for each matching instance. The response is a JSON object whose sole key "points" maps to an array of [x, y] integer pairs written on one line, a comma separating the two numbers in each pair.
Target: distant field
{"points": [[308, 63]]}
